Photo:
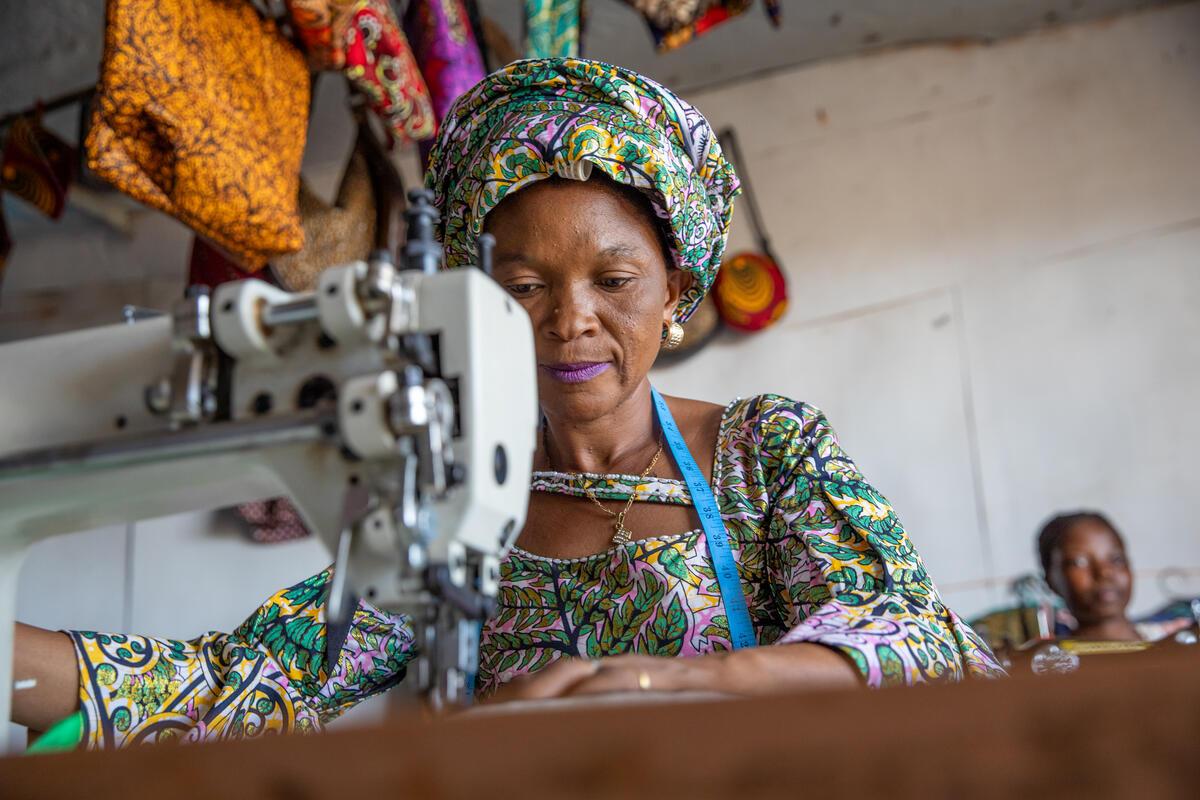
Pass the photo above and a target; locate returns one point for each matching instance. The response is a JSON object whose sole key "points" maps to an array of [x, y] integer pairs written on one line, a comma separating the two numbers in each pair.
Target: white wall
{"points": [[991, 255], [994, 266]]}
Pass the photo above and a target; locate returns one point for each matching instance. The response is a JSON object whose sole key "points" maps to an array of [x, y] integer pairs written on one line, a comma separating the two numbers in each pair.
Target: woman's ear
{"points": [[678, 282]]}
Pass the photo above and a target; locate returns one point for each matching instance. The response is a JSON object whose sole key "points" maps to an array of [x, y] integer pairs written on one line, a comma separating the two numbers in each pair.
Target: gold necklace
{"points": [[622, 534]]}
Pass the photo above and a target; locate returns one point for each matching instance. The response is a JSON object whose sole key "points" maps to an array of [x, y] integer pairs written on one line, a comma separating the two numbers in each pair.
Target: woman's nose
{"points": [[571, 315]]}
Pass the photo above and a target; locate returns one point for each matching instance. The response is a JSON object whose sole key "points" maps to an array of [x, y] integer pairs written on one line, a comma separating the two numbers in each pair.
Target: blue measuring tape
{"points": [[740, 629]]}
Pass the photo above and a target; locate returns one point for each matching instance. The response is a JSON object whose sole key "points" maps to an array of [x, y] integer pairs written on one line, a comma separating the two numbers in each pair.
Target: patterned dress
{"points": [[821, 556]]}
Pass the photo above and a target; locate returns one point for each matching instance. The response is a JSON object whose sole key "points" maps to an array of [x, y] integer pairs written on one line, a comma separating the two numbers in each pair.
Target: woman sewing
{"points": [[610, 201]]}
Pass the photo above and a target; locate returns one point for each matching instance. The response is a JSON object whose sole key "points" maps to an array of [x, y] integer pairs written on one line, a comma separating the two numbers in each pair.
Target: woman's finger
{"points": [[553, 681]]}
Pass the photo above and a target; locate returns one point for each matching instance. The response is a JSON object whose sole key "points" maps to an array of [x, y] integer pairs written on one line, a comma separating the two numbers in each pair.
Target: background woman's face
{"points": [[587, 264], [1091, 572]]}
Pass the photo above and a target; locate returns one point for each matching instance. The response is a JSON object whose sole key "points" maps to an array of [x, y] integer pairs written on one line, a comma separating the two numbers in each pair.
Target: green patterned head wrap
{"points": [[567, 116]]}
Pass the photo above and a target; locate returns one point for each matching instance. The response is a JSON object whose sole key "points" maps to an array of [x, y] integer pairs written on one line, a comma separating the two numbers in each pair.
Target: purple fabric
{"points": [[445, 47]]}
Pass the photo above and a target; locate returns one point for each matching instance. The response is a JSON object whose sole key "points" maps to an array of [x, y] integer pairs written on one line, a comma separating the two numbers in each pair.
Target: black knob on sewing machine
{"points": [[421, 250]]}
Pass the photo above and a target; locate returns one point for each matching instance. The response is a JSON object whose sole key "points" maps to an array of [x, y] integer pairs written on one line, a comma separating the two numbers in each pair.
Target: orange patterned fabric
{"points": [[37, 166], [201, 112]]}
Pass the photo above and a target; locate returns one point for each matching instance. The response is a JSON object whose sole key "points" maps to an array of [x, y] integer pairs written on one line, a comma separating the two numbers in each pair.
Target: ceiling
{"points": [[51, 47]]}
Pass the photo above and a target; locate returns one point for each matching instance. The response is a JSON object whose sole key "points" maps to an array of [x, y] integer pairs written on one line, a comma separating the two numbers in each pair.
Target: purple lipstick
{"points": [[575, 373]]}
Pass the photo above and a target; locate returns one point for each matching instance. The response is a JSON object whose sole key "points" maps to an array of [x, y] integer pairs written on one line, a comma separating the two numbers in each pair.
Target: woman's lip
{"points": [[575, 373]]}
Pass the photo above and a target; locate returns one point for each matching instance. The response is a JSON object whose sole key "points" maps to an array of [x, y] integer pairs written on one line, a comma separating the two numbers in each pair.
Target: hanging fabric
{"points": [[552, 28], [5, 241], [674, 23], [201, 112], [364, 40], [84, 175], [381, 66], [38, 166], [210, 266], [445, 48], [320, 26]]}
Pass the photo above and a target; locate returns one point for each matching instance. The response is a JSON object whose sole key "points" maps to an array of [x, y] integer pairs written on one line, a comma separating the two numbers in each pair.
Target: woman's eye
{"points": [[614, 283], [521, 289]]}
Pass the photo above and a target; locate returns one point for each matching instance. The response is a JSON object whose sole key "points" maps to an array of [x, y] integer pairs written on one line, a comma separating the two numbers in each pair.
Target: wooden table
{"points": [[1124, 726]]}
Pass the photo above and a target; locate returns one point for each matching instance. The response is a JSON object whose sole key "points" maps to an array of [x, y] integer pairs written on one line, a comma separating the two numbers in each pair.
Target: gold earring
{"points": [[674, 336]]}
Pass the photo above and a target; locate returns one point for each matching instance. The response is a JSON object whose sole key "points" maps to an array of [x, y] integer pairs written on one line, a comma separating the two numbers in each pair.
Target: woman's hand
{"points": [[759, 670], [638, 673], [574, 677]]}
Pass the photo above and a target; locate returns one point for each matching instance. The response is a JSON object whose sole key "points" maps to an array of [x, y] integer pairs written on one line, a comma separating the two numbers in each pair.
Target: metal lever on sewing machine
{"points": [[421, 251]]}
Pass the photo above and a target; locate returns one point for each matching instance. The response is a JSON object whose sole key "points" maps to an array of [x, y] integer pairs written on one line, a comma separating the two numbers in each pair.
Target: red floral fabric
{"points": [[381, 65]]}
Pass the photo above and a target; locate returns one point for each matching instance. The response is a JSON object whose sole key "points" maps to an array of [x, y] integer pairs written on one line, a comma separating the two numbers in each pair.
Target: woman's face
{"points": [[587, 264], [1089, 569]]}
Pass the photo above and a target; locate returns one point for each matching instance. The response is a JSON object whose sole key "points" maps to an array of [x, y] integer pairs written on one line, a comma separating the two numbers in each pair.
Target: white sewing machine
{"points": [[397, 408]]}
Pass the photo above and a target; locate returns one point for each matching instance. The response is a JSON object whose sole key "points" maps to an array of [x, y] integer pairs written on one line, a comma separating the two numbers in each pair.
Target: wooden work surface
{"points": [[1124, 726]]}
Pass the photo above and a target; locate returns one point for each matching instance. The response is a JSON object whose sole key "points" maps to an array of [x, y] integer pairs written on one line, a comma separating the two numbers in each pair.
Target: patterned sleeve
{"points": [[268, 675], [840, 566]]}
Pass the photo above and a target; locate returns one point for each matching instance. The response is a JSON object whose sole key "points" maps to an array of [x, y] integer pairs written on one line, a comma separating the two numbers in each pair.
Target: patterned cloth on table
{"points": [[552, 28], [201, 112], [821, 556], [538, 118], [676, 22]]}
